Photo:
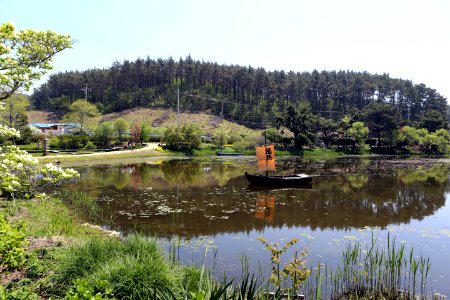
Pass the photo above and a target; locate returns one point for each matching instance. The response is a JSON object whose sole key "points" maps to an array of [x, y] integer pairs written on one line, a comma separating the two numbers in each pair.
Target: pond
{"points": [[207, 204]]}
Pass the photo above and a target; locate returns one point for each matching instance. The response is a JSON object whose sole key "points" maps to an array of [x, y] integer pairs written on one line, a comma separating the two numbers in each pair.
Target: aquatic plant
{"points": [[296, 270], [81, 203], [373, 271]]}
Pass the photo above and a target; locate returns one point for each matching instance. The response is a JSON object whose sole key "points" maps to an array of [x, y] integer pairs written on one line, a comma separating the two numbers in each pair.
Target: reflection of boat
{"points": [[295, 180], [229, 153], [265, 207], [266, 162]]}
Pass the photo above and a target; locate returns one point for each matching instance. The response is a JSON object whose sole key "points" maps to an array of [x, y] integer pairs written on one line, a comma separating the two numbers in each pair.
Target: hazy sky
{"points": [[408, 39]]}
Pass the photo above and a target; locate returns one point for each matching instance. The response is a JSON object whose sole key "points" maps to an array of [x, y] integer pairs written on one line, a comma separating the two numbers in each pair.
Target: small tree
{"points": [[358, 133], [120, 128], [191, 136], [80, 111], [145, 133], [103, 134], [185, 138], [408, 136], [440, 140], [172, 138], [136, 132], [272, 135], [24, 57], [221, 136]]}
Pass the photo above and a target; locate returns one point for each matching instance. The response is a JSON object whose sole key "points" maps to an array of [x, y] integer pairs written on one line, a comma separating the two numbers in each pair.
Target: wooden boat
{"points": [[294, 180], [266, 162], [229, 153]]}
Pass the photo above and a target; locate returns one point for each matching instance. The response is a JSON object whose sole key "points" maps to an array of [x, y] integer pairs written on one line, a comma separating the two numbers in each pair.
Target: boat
{"points": [[229, 153], [294, 180], [266, 162]]}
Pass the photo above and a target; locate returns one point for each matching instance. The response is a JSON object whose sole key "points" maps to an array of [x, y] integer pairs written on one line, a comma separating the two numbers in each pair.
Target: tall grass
{"points": [[135, 268], [81, 203], [50, 218], [373, 271]]}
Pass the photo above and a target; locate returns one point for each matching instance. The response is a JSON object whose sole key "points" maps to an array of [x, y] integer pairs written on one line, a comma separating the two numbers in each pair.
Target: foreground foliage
{"points": [[12, 245]]}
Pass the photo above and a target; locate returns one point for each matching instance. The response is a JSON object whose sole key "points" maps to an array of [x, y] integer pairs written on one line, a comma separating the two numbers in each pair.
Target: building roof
{"points": [[49, 125]]}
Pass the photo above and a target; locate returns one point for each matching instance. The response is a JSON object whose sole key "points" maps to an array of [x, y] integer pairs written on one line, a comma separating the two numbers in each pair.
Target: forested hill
{"points": [[244, 94]]}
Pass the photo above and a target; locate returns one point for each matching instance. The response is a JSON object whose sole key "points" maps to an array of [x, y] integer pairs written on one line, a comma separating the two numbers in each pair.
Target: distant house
{"points": [[57, 128]]}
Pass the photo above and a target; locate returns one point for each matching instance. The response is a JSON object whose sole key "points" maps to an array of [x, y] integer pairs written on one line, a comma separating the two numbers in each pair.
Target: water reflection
{"points": [[265, 207], [191, 198]]}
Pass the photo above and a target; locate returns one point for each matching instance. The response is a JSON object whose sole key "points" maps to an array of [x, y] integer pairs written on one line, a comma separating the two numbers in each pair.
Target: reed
{"points": [[373, 271], [81, 203]]}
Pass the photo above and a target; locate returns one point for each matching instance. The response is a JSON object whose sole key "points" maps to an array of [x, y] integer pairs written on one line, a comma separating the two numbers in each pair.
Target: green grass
{"points": [[31, 146], [99, 158], [49, 218], [135, 268], [81, 204], [320, 154]]}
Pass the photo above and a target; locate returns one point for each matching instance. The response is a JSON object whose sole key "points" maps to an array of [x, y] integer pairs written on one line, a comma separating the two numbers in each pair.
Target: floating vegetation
{"points": [[308, 236], [351, 238], [445, 232]]}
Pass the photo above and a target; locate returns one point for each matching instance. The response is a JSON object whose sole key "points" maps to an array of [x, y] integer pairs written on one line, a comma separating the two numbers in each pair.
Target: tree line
{"points": [[242, 94]]}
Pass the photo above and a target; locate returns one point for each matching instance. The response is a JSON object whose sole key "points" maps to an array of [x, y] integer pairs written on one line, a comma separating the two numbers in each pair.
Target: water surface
{"points": [[207, 204]]}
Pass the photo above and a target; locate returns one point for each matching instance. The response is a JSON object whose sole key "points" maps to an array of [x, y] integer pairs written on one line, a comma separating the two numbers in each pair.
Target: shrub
{"points": [[69, 141], [20, 175], [89, 145], [103, 134], [185, 138], [81, 290], [221, 136], [12, 245], [135, 268]]}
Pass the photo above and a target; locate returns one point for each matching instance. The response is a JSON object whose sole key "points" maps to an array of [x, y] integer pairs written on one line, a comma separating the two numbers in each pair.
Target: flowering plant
{"points": [[20, 175]]}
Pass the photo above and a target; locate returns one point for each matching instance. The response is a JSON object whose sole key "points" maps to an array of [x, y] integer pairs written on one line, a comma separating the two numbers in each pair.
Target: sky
{"points": [[407, 39]]}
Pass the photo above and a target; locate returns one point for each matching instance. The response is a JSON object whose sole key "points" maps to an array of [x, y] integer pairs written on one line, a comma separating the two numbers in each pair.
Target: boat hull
{"points": [[297, 180]]}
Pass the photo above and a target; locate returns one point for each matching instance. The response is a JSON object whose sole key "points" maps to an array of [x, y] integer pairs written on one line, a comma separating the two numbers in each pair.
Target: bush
{"points": [[81, 290], [89, 145], [185, 138], [12, 245], [20, 175], [69, 141], [135, 268], [103, 134]]}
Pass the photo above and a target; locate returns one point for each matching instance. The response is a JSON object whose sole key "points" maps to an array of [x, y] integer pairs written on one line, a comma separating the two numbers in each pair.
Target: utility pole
{"points": [[178, 106], [85, 89]]}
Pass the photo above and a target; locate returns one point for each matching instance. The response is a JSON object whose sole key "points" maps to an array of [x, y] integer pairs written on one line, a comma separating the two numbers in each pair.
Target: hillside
{"points": [[242, 94], [156, 118], [37, 116]]}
